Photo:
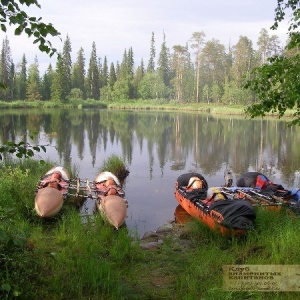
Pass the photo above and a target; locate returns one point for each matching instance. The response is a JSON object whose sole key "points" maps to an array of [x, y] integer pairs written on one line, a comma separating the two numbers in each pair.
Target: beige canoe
{"points": [[114, 209], [48, 202]]}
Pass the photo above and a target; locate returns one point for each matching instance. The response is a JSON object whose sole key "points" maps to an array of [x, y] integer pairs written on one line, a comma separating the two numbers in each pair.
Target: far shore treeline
{"points": [[202, 71]]}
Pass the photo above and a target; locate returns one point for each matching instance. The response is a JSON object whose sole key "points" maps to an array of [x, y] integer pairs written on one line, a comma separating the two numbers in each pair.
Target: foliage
{"points": [[152, 87], [276, 83], [93, 76], [12, 14], [21, 149], [177, 75], [76, 93], [115, 165]]}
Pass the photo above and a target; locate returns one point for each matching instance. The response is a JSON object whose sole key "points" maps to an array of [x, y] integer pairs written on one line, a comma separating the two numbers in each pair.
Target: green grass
{"points": [[67, 258], [115, 165], [88, 103], [140, 104]]}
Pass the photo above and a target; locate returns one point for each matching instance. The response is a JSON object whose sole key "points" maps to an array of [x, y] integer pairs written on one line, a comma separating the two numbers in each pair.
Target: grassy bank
{"points": [[74, 258], [213, 108]]}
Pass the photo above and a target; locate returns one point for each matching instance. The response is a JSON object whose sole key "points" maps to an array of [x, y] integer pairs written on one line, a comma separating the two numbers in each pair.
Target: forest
{"points": [[200, 71]]}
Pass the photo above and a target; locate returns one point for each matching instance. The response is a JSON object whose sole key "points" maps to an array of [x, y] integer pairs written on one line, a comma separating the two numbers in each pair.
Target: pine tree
{"points": [[78, 74], [151, 63], [104, 74], [67, 67], [138, 76], [112, 78], [130, 63], [6, 66], [93, 80], [123, 87], [117, 69], [57, 82], [23, 79], [164, 63], [33, 91], [130, 67], [122, 73], [46, 83]]}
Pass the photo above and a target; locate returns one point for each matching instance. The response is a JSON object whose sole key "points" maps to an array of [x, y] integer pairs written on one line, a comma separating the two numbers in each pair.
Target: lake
{"points": [[157, 147]]}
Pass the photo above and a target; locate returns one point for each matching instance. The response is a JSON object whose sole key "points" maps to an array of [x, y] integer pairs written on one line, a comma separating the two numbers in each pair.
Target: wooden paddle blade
{"points": [[48, 202], [114, 209]]}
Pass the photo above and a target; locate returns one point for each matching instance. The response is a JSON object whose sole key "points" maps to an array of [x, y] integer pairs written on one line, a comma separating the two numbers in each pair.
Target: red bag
{"points": [[261, 182]]}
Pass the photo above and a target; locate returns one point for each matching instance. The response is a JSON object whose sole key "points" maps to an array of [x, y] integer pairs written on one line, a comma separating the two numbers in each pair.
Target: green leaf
{"points": [[28, 31], [3, 27], [6, 287], [18, 30], [5, 2]]}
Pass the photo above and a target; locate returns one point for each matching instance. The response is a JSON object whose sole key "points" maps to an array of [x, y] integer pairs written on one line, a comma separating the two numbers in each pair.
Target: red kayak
{"points": [[211, 207]]}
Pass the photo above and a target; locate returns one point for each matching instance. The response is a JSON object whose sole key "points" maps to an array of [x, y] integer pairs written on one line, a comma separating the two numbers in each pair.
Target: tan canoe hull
{"points": [[48, 202], [114, 209]]}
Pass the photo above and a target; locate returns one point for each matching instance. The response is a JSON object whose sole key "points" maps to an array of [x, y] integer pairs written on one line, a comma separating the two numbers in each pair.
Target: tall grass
{"points": [[115, 165], [90, 258]]}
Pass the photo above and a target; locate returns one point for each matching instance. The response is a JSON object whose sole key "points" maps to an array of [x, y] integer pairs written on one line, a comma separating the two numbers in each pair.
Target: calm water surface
{"points": [[157, 147]]}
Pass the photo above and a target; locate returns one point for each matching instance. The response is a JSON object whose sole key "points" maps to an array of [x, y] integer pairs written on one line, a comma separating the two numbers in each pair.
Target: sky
{"points": [[116, 25]]}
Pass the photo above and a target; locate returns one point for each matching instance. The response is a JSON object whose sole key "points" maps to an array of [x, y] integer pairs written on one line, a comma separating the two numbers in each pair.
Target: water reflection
{"points": [[157, 147], [181, 216]]}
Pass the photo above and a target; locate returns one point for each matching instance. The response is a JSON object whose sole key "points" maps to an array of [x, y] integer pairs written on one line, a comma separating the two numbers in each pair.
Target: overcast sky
{"points": [[116, 25]]}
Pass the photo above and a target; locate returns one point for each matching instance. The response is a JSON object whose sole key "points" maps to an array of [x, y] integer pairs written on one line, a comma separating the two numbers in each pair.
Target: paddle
{"points": [[258, 198]]}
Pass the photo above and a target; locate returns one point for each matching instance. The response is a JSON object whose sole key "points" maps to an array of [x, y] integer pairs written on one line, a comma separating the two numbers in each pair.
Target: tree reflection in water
{"points": [[157, 147]]}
